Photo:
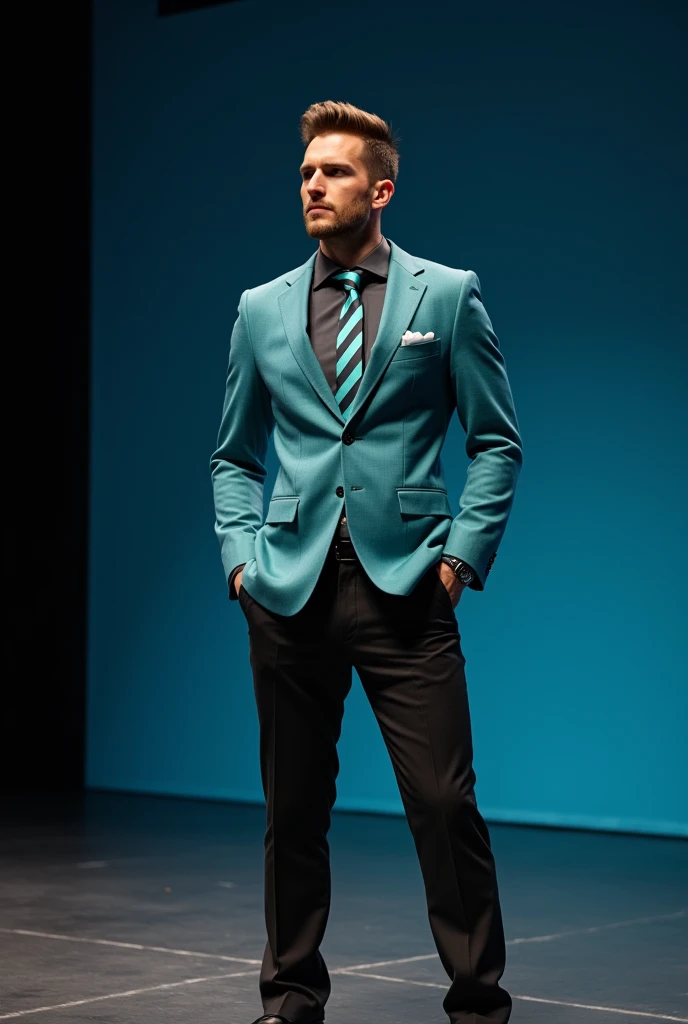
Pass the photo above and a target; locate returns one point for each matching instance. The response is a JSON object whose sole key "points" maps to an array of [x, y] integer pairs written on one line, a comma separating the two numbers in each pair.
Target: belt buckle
{"points": [[339, 556]]}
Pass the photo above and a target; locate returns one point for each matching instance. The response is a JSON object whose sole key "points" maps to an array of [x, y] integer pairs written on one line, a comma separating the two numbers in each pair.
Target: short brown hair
{"points": [[380, 151]]}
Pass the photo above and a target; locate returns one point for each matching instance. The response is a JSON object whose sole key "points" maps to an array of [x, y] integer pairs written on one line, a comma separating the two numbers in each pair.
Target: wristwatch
{"points": [[461, 569]]}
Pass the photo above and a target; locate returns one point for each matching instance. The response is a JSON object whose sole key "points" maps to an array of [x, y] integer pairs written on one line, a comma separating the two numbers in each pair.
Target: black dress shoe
{"points": [[275, 1018]]}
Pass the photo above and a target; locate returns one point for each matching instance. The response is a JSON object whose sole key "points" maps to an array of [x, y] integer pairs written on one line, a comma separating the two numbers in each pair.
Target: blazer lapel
{"points": [[402, 295], [404, 291], [293, 303]]}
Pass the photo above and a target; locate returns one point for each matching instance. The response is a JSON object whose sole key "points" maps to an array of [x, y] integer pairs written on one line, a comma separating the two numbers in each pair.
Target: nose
{"points": [[316, 185]]}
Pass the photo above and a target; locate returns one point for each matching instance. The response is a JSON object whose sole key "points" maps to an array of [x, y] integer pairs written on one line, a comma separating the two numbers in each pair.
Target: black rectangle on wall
{"points": [[180, 6]]}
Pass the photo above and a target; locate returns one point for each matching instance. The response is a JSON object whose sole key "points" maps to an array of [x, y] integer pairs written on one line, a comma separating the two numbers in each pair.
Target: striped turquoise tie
{"points": [[349, 340]]}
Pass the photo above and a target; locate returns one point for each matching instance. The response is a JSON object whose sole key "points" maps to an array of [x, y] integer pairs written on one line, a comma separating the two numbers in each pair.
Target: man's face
{"points": [[335, 188]]}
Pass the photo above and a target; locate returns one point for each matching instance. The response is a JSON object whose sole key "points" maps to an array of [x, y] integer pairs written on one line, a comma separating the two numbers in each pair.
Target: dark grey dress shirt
{"points": [[327, 298], [324, 305]]}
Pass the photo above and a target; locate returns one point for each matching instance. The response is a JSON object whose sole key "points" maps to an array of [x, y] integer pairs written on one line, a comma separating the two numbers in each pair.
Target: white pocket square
{"points": [[416, 338]]}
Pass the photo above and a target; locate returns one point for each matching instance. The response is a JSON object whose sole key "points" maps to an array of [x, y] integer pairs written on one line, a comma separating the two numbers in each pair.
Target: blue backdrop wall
{"points": [[540, 147]]}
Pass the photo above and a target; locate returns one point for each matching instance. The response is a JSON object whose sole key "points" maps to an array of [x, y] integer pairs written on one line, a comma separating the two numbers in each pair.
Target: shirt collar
{"points": [[376, 262]]}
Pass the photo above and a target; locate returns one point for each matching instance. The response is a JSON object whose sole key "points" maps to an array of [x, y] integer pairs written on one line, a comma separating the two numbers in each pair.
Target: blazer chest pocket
{"points": [[409, 355], [282, 509], [419, 501]]}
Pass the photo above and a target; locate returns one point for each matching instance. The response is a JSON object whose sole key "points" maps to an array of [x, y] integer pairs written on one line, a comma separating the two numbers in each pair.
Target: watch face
{"points": [[465, 574]]}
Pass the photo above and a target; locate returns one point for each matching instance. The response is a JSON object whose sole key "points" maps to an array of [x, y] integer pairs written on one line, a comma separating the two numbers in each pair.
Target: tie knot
{"points": [[349, 279]]}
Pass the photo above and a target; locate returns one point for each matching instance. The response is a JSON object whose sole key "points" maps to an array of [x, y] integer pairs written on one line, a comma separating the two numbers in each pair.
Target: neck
{"points": [[349, 250]]}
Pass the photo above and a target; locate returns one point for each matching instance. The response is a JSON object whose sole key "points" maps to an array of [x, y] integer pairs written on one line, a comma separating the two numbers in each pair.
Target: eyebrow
{"points": [[328, 163]]}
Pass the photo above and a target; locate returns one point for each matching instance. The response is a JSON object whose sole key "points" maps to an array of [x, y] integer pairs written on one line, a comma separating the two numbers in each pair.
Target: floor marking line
{"points": [[129, 945], [355, 970], [605, 1009], [120, 995], [599, 928], [353, 967], [528, 999], [385, 963], [536, 938], [385, 977]]}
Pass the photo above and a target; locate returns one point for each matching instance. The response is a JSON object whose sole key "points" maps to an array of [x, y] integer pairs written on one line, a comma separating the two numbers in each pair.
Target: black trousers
{"points": [[407, 652]]}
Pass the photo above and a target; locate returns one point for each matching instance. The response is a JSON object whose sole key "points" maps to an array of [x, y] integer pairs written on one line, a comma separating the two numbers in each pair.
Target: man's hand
{"points": [[237, 581], [451, 582]]}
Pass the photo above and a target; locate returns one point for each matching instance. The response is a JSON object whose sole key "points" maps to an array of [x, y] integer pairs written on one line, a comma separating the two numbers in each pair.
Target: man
{"points": [[357, 360]]}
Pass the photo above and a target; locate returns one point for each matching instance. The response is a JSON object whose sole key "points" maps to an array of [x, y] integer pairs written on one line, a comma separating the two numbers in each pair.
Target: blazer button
{"points": [[339, 492], [348, 438]]}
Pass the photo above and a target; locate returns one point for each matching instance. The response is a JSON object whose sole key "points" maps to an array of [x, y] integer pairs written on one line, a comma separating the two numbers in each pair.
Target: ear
{"points": [[382, 193]]}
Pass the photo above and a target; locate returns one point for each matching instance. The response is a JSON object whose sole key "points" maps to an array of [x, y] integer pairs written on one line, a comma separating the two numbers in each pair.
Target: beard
{"points": [[347, 221]]}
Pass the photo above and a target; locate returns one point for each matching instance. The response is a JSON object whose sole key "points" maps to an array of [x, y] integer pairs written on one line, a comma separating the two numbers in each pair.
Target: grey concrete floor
{"points": [[139, 910]]}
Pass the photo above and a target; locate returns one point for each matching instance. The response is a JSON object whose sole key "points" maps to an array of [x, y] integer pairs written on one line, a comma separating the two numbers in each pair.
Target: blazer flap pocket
{"points": [[282, 510], [417, 501]]}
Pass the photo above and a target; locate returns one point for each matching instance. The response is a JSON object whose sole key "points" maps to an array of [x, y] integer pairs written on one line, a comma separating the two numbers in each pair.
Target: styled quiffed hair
{"points": [[380, 151]]}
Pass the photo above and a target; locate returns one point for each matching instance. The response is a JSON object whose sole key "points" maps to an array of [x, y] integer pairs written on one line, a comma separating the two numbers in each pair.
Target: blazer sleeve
{"points": [[238, 465], [485, 408]]}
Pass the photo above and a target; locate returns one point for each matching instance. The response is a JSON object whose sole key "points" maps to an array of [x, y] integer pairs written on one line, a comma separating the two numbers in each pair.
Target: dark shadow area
{"points": [[48, 393]]}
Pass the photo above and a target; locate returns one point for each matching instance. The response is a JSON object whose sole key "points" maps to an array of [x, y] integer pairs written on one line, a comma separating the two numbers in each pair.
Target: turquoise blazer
{"points": [[383, 459]]}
